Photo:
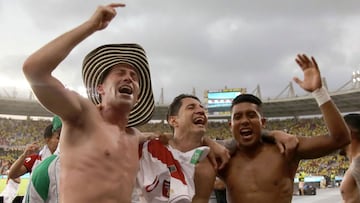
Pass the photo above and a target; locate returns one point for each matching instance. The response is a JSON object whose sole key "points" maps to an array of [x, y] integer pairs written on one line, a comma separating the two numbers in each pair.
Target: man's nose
{"points": [[200, 110], [244, 120], [127, 77]]}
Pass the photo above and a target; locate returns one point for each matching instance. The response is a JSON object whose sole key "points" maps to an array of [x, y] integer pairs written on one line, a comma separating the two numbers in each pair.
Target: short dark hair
{"points": [[176, 104], [241, 98], [353, 121], [48, 131]]}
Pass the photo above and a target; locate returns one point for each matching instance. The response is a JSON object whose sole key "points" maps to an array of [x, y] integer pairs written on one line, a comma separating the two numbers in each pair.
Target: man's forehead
{"points": [[245, 106], [121, 66], [189, 101]]}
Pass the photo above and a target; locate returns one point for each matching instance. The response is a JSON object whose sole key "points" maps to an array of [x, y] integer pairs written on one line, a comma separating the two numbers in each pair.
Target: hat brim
{"points": [[98, 61]]}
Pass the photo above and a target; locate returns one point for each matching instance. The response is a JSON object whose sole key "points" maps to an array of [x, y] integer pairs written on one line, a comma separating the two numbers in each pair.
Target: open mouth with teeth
{"points": [[199, 121], [125, 90], [245, 132]]}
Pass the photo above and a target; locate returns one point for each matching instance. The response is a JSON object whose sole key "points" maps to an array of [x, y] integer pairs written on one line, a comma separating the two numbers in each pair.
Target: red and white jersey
{"points": [[29, 161], [33, 160], [166, 174]]}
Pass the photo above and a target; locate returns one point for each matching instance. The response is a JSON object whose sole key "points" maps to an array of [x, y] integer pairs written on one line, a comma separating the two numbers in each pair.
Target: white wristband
{"points": [[321, 96]]}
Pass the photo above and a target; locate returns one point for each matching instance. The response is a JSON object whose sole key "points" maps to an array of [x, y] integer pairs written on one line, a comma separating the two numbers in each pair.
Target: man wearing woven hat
{"points": [[99, 144]]}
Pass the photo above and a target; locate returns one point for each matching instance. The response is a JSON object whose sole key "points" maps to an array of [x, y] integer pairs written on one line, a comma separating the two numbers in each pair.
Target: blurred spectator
{"points": [[30, 158], [301, 182], [11, 188]]}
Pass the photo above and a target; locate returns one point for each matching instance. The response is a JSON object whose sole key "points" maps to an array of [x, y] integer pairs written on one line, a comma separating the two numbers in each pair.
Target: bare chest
{"points": [[103, 146], [116, 146], [265, 172]]}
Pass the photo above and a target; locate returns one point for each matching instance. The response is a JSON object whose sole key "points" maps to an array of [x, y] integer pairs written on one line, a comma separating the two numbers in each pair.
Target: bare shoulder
{"points": [[131, 131], [81, 110]]}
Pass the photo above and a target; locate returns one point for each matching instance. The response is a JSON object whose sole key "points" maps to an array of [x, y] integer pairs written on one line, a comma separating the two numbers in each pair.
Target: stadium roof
{"points": [[347, 101]]}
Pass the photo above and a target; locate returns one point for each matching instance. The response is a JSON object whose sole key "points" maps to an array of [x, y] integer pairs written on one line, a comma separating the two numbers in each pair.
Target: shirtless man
{"points": [[350, 185], [98, 143], [258, 172]]}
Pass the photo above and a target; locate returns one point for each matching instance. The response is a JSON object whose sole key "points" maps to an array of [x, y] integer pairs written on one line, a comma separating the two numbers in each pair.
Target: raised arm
{"points": [[18, 168], [40, 65], [339, 136]]}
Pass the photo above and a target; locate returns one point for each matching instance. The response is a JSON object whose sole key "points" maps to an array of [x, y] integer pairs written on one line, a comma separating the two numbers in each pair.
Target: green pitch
{"points": [[22, 187]]}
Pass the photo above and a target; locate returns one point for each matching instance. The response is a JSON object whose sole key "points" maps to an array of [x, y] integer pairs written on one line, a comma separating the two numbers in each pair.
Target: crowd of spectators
{"points": [[15, 134]]}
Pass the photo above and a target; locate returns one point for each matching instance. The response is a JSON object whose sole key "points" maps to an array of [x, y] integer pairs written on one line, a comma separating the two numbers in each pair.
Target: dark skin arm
{"points": [[339, 135]]}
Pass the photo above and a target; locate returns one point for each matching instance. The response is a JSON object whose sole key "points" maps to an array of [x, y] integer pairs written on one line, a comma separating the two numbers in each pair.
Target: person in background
{"points": [[43, 186], [31, 156], [10, 191], [350, 185], [301, 182]]}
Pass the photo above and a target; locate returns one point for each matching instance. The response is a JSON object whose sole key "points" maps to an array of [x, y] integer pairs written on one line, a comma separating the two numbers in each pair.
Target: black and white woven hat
{"points": [[104, 57]]}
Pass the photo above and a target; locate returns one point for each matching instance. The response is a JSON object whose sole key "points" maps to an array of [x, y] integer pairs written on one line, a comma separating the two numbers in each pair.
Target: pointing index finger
{"points": [[115, 5]]}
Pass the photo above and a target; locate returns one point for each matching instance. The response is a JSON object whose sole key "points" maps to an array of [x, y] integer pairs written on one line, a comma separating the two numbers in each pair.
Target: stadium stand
{"points": [[295, 114]]}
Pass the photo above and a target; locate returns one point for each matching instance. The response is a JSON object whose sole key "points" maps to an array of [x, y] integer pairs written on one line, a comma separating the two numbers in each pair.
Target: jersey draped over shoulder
{"points": [[166, 174]]}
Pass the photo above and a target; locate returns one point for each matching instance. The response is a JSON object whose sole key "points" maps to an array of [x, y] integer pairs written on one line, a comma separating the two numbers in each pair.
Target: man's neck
{"points": [[251, 151], [185, 143], [114, 116]]}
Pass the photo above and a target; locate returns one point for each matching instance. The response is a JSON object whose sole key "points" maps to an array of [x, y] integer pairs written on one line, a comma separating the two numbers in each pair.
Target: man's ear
{"points": [[263, 122], [172, 121], [230, 126], [100, 89]]}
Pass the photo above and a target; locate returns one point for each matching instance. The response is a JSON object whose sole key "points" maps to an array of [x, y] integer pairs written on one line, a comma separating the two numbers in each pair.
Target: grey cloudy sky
{"points": [[202, 44]]}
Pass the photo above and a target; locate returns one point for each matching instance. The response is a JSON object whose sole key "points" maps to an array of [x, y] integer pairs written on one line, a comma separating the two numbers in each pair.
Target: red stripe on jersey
{"points": [[159, 151]]}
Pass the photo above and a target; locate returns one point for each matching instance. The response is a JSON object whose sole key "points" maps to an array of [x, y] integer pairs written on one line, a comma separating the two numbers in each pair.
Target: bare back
{"points": [[98, 154], [264, 176]]}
